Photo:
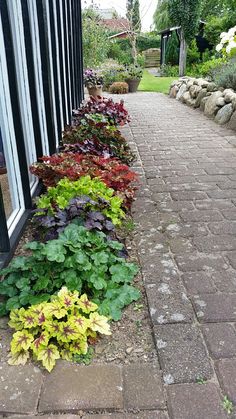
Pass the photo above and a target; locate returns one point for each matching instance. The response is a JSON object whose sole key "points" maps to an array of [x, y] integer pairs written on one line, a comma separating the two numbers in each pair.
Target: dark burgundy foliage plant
{"points": [[115, 112]]}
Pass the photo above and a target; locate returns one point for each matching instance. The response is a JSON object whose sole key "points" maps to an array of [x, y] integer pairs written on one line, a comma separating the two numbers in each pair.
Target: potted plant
{"points": [[133, 76], [93, 80]]}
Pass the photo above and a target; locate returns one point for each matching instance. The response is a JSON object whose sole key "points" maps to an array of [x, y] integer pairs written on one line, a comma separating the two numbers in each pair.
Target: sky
{"points": [[147, 9]]}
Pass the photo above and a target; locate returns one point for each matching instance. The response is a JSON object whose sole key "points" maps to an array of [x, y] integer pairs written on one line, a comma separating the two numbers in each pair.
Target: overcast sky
{"points": [[147, 9]]}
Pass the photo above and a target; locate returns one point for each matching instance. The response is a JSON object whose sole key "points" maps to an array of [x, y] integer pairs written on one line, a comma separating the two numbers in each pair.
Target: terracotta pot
{"points": [[133, 85], [95, 91]]}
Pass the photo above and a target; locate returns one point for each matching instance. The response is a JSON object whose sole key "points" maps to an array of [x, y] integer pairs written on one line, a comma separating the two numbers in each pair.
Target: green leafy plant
{"points": [[60, 328], [73, 165], [226, 76], [228, 405], [82, 260], [133, 72], [95, 189]]}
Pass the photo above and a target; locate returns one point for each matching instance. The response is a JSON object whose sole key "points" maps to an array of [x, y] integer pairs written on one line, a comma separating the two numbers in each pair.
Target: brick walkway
{"points": [[186, 225]]}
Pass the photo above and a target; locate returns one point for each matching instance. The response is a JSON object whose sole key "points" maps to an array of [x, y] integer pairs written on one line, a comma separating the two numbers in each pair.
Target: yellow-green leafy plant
{"points": [[57, 329]]}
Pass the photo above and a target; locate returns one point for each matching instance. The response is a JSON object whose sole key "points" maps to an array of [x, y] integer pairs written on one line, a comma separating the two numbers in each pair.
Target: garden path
{"points": [[186, 225], [185, 218]]}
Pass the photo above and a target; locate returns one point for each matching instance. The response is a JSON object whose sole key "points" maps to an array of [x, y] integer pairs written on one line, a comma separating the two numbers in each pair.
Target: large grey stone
{"points": [[224, 114], [203, 103], [229, 95], [181, 353], [72, 387], [232, 122], [211, 107], [194, 90], [173, 92], [200, 96], [211, 87], [181, 91], [19, 388]]}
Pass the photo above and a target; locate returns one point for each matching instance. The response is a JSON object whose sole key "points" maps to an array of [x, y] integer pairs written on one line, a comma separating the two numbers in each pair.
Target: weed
{"points": [[227, 405]]}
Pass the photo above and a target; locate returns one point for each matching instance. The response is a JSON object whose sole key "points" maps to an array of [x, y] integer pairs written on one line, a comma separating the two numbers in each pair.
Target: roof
{"points": [[106, 13], [120, 34], [117, 24], [168, 30]]}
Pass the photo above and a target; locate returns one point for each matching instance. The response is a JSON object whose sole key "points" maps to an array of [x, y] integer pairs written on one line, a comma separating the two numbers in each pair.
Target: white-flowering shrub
{"points": [[227, 44]]}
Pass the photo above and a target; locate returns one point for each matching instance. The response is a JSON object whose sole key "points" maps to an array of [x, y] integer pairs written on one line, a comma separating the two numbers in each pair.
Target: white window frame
{"points": [[9, 142]]}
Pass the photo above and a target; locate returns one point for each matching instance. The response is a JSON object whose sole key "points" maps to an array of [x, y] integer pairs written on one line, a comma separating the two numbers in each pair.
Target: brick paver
{"points": [[185, 215]]}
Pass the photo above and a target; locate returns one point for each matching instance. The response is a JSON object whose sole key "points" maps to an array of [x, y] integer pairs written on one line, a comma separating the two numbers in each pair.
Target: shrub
{"points": [[115, 113], [79, 259], [169, 70], [193, 54], [99, 138], [95, 189], [206, 69], [119, 87], [112, 72], [172, 50], [60, 328], [80, 211], [111, 171], [226, 76]]}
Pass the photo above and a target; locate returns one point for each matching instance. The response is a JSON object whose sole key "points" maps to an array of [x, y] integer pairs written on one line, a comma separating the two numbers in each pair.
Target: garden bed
{"points": [[75, 269]]}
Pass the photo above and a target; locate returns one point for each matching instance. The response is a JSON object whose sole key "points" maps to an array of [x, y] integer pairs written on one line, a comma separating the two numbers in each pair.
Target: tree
{"points": [[95, 42], [161, 16], [133, 16], [186, 14], [136, 22]]}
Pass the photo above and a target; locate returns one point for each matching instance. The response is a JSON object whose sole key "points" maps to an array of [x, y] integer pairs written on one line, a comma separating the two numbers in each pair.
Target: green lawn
{"points": [[150, 83]]}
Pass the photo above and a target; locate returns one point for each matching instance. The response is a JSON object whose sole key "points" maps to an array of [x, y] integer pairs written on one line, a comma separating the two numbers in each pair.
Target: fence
{"points": [[40, 83]]}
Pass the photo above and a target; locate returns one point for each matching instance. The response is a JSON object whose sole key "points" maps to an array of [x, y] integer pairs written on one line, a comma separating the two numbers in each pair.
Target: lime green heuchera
{"points": [[56, 329], [93, 188]]}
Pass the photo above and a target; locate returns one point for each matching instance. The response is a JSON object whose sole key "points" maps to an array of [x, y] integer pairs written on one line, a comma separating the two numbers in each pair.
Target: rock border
{"points": [[216, 102]]}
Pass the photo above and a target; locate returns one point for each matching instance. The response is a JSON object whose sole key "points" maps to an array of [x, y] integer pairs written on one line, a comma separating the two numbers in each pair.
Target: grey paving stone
{"points": [[214, 204], [182, 353], [225, 281], [180, 245], [199, 282], [93, 387], [201, 215], [224, 227], [182, 230], [215, 307], [168, 308], [226, 371], [19, 388], [200, 262], [189, 195], [230, 214], [143, 387], [232, 259], [68, 416], [194, 401], [215, 243], [220, 339]]}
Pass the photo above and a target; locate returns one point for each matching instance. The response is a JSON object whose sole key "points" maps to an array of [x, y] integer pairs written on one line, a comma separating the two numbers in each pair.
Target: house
{"points": [[41, 81]]}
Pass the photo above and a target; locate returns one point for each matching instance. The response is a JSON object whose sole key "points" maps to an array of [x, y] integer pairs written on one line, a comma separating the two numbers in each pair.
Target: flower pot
{"points": [[133, 85], [95, 91]]}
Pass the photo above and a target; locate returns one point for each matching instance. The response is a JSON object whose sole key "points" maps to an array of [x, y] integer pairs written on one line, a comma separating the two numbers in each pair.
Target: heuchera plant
{"points": [[48, 226], [60, 328], [82, 260], [114, 174], [115, 113], [97, 138], [95, 189]]}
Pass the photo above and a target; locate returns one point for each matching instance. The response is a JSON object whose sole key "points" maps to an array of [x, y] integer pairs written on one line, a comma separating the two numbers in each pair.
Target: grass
{"points": [[150, 83]]}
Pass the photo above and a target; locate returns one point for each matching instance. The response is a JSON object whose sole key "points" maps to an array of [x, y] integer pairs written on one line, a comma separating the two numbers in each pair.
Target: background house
{"points": [[41, 81]]}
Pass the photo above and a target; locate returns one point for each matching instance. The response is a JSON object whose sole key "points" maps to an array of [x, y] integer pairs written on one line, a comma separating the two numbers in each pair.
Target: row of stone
{"points": [[216, 103]]}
